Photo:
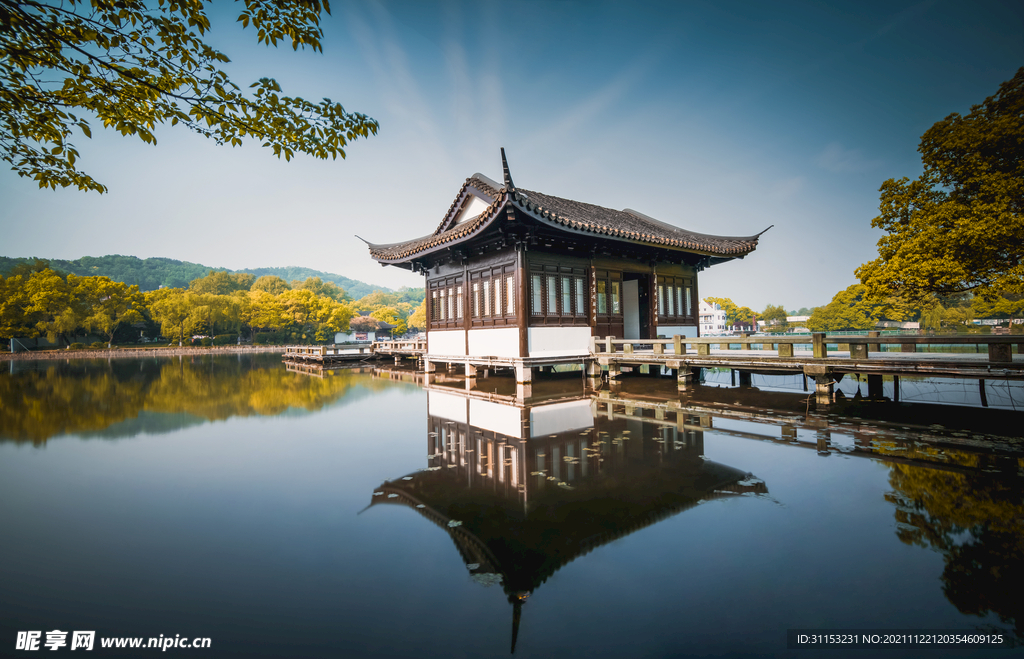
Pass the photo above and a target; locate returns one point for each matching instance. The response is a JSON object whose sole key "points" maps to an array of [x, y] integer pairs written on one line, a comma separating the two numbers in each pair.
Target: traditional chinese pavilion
{"points": [[521, 278]]}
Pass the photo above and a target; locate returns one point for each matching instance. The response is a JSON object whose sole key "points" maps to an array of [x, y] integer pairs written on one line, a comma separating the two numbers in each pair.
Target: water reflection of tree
{"points": [[975, 518], [79, 398]]}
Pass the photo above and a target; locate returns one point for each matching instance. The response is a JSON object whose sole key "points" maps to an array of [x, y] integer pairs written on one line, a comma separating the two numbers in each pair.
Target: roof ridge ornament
{"points": [[509, 185]]}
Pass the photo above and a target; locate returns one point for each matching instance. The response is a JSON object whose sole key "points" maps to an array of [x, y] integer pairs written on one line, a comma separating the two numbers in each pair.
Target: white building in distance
{"points": [[712, 319]]}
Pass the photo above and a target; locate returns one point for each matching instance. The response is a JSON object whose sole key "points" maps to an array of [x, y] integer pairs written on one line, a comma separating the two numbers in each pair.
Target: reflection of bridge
{"points": [[523, 489]]}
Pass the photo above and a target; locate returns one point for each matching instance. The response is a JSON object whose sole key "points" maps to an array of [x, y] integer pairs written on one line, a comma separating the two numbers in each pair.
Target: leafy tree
{"points": [[849, 310], [418, 319], [325, 288], [958, 227], [390, 316], [14, 302], [264, 311], [174, 309], [271, 284], [220, 282], [733, 313], [330, 316], [111, 304], [363, 324], [134, 65], [368, 303], [54, 305], [774, 318]]}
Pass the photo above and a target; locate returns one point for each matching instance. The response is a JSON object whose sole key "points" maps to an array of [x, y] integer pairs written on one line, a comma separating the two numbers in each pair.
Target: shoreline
{"points": [[130, 353]]}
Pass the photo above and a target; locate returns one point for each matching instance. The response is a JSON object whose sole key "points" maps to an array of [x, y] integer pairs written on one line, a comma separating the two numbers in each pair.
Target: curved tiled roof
{"points": [[630, 225], [565, 214]]}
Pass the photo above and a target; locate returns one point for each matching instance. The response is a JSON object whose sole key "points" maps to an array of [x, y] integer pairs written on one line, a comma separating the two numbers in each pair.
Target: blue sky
{"points": [[720, 117]]}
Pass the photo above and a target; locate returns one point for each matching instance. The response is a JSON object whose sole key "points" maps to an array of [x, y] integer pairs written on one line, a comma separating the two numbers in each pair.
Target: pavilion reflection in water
{"points": [[525, 487]]}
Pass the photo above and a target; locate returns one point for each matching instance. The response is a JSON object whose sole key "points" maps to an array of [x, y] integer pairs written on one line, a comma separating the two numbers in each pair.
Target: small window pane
{"points": [[497, 296], [689, 303], [475, 302], [444, 302], [671, 300], [510, 295], [566, 296], [487, 298], [581, 297], [661, 300], [458, 302], [602, 297], [552, 283], [615, 298], [536, 296]]}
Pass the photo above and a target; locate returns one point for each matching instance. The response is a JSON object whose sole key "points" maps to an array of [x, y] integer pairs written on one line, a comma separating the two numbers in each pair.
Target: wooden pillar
{"points": [[677, 344], [823, 389], [819, 346], [896, 388], [593, 369], [398, 360], [981, 390], [785, 350], [614, 370], [1000, 352], [428, 366], [874, 347], [608, 346], [704, 349], [908, 347], [745, 378], [858, 351], [744, 345], [684, 377], [524, 374], [824, 439], [470, 371], [874, 386]]}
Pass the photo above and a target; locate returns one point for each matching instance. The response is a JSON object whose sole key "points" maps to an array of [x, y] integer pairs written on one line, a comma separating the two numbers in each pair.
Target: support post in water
{"points": [[684, 377], [745, 378], [874, 347], [823, 389], [874, 386]]}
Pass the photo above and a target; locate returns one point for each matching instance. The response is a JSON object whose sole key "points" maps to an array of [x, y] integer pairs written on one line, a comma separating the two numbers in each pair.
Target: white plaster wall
{"points": [[446, 406], [560, 417], [475, 206], [558, 341], [668, 331], [488, 415], [446, 342], [494, 342]]}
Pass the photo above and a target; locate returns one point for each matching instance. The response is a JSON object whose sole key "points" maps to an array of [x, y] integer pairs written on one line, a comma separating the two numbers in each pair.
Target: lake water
{"points": [[364, 514]]}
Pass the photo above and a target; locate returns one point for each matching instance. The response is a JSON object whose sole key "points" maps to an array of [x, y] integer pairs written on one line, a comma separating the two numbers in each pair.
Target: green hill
{"points": [[152, 273]]}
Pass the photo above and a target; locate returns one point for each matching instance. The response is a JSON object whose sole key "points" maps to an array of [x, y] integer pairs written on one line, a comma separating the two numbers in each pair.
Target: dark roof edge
{"points": [[700, 235]]}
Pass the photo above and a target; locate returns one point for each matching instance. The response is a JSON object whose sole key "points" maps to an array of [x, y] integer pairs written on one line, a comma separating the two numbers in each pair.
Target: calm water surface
{"points": [[361, 514]]}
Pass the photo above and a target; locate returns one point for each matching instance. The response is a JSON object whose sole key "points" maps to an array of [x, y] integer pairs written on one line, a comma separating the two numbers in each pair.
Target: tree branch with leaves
{"points": [[134, 66]]}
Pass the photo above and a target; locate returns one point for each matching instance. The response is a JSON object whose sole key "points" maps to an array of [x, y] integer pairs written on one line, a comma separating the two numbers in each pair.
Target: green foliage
{"points": [[76, 346], [733, 313], [271, 284], [418, 319], [225, 339], [135, 65], [222, 283], [958, 227], [390, 316], [97, 345], [352, 287], [849, 309], [773, 319]]}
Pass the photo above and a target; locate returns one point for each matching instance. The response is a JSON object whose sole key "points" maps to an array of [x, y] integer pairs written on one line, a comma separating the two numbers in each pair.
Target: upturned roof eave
{"points": [[411, 255]]}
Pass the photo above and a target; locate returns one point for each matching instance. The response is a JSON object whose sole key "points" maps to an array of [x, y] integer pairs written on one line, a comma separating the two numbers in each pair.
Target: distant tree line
{"points": [[220, 307], [153, 273]]}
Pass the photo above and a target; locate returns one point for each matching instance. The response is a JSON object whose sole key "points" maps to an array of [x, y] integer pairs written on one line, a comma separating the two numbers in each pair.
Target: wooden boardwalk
{"points": [[780, 355], [825, 359]]}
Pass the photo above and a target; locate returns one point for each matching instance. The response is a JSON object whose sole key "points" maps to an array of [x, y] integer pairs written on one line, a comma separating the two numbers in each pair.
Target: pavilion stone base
{"points": [[475, 367]]}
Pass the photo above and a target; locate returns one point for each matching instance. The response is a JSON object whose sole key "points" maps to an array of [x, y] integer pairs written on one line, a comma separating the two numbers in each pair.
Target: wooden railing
{"points": [[1000, 348], [408, 346], [323, 351]]}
